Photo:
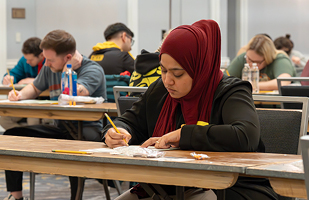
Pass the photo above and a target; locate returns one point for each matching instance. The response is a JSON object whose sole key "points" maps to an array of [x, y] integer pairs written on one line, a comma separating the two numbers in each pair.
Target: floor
{"points": [[58, 188]]}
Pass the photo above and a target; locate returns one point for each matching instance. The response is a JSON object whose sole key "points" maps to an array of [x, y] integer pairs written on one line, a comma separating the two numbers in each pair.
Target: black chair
{"points": [[125, 102], [304, 141], [295, 89], [281, 129]]}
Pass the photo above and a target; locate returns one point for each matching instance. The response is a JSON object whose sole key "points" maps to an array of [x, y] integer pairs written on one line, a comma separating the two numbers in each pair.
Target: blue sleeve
{"points": [[19, 70]]}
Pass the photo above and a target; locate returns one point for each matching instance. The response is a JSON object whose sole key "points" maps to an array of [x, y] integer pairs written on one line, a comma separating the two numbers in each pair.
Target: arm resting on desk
{"points": [[272, 84], [30, 92]]}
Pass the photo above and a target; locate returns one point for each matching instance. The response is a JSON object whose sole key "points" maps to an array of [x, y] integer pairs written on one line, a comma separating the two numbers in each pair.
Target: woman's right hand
{"points": [[13, 97], [114, 139]]}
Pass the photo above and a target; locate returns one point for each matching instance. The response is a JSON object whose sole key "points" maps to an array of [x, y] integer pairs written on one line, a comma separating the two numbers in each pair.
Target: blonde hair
{"points": [[265, 47], [164, 36]]}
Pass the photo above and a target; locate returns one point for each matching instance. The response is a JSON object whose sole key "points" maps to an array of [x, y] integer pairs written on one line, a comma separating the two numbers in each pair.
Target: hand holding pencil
{"points": [[7, 80], [116, 137]]}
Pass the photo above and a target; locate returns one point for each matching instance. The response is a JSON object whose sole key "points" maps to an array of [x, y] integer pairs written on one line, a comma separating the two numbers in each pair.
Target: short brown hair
{"points": [[60, 41], [32, 46]]}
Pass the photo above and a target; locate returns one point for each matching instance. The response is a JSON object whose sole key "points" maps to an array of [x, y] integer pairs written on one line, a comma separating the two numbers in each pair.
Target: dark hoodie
{"points": [[146, 69], [112, 59], [233, 126]]}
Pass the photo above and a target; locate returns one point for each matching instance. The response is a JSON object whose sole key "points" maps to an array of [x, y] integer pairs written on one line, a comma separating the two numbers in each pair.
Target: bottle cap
{"points": [[69, 66]]}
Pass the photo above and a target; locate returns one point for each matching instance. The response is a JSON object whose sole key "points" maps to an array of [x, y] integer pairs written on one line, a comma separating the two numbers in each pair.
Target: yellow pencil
{"points": [[66, 151], [112, 123], [11, 81], [227, 72]]}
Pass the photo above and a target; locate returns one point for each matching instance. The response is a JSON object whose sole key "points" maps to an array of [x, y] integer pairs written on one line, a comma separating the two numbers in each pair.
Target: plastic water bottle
{"points": [[68, 81], [255, 76], [246, 73]]}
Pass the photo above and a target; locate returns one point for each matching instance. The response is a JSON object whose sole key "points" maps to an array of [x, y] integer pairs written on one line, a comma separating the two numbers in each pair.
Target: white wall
{"points": [[26, 27], [278, 17], [153, 17], [3, 37], [85, 20]]}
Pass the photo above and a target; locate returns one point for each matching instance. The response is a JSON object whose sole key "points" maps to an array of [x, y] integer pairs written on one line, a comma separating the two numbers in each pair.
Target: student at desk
{"points": [[271, 62], [194, 107], [59, 48], [29, 65], [24, 72]]}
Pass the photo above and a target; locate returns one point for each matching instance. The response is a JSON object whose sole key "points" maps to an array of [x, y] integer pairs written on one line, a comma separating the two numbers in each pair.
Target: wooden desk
{"points": [[4, 90], [286, 178], [87, 112], [220, 171]]}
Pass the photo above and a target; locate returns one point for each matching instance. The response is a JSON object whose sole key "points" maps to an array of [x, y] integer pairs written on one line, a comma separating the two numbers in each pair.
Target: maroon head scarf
{"points": [[197, 48]]}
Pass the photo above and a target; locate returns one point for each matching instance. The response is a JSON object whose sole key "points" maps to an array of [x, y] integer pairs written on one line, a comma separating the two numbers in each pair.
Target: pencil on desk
{"points": [[66, 151], [11, 81], [112, 123]]}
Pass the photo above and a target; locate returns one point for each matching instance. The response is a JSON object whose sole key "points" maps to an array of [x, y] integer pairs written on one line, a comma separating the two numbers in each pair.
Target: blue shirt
{"points": [[23, 70]]}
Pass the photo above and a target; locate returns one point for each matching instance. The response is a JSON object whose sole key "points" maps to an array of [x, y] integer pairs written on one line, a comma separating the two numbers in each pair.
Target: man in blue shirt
{"points": [[29, 65], [27, 68]]}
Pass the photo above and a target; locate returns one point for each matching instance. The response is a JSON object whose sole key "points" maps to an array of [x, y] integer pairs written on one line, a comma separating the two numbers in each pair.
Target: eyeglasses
{"points": [[253, 61], [132, 40]]}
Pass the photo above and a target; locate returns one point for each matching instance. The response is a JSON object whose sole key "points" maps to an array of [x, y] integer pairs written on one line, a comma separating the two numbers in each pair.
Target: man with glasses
{"points": [[113, 55]]}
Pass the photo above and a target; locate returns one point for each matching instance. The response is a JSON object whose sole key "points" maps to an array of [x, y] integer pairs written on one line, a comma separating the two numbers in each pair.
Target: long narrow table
{"points": [[286, 178], [220, 171], [86, 112], [5, 89]]}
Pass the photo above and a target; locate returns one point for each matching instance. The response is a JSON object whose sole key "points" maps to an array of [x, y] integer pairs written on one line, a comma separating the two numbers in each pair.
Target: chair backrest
{"points": [[123, 102], [293, 90], [304, 142], [281, 129], [115, 80]]}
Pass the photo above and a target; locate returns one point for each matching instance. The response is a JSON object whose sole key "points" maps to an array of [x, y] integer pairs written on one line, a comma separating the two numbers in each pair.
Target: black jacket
{"points": [[112, 59], [234, 124]]}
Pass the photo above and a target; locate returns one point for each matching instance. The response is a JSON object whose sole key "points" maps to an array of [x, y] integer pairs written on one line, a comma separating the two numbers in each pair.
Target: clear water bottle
{"points": [[246, 73], [255, 76], [68, 81]]}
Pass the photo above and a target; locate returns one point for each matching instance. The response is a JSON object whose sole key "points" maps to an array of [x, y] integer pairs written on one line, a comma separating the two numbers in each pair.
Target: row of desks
{"points": [[5, 89], [220, 171]]}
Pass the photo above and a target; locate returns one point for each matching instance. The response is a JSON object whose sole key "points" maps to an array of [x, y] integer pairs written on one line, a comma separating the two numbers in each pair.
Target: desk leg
{"points": [[180, 193], [80, 130], [80, 188], [105, 122], [81, 181], [32, 185]]}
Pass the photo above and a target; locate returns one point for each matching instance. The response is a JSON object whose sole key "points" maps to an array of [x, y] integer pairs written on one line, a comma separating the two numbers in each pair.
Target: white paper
{"points": [[99, 150]]}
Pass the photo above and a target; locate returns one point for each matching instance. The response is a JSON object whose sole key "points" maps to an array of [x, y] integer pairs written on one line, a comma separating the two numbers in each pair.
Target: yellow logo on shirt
{"points": [[97, 57]]}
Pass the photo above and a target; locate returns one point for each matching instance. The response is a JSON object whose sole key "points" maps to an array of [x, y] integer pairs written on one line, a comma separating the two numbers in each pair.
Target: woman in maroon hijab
{"points": [[194, 107]]}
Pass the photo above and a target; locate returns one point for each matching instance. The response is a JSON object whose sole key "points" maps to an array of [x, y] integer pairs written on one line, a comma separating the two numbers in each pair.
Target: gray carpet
{"points": [[58, 188]]}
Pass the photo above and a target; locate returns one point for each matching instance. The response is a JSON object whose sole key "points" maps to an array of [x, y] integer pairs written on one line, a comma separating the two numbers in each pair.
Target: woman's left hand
{"points": [[166, 141]]}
